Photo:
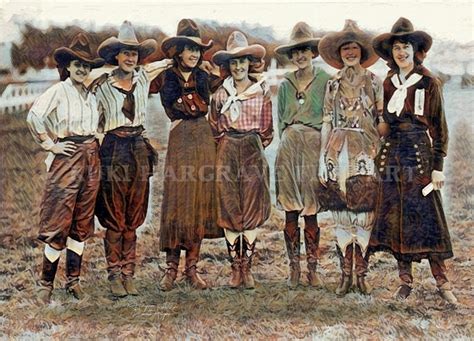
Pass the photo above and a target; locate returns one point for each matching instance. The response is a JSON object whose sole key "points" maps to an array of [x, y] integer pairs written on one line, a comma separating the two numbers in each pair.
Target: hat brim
{"points": [[168, 44], [285, 49], [111, 47], [64, 55], [330, 45], [255, 50], [382, 44]]}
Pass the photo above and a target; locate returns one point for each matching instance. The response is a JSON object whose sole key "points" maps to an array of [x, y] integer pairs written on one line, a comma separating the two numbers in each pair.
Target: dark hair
{"points": [[363, 51], [254, 63], [418, 55], [180, 48], [314, 49], [63, 71]]}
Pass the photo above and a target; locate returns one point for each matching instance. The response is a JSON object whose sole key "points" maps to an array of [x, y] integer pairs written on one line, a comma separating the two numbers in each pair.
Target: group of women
{"points": [[348, 143]]}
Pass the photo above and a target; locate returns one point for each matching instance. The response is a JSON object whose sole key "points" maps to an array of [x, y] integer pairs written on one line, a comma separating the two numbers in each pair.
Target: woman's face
{"points": [[239, 68], [302, 56], [403, 54], [190, 55], [78, 70], [127, 60], [350, 54]]}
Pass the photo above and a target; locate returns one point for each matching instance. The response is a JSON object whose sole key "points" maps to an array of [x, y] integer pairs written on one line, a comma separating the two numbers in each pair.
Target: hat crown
{"points": [[80, 44], [127, 33], [403, 25], [301, 31], [236, 40], [188, 28], [351, 26]]}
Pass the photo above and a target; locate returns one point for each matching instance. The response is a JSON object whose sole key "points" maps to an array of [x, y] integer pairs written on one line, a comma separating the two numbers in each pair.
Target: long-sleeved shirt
{"points": [[110, 99], [309, 113], [255, 114], [185, 98], [61, 111], [431, 115]]}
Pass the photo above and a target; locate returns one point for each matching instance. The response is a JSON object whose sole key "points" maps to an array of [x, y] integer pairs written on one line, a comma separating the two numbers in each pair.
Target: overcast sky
{"points": [[442, 19]]}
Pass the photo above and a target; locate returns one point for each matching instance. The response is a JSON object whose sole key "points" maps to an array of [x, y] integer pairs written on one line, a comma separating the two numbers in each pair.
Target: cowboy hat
{"points": [[238, 46], [301, 35], [403, 28], [187, 32], [331, 43], [78, 49], [111, 47]]}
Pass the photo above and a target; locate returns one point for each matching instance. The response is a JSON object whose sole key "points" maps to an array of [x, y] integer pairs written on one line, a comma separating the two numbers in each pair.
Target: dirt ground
{"points": [[269, 312]]}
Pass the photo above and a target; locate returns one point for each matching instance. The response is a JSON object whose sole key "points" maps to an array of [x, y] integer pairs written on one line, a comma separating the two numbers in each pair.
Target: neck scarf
{"points": [[397, 102], [233, 99]]}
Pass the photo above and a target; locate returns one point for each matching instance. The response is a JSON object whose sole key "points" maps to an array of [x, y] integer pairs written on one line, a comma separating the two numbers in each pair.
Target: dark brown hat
{"points": [[78, 49], [301, 35], [187, 32], [403, 28], [331, 43], [111, 47]]}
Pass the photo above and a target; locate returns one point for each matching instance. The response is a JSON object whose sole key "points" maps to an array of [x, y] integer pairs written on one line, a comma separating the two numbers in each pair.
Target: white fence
{"points": [[19, 96]]}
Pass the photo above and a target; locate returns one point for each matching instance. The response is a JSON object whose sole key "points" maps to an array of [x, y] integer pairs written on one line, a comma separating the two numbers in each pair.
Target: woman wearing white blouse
{"points": [[64, 121]]}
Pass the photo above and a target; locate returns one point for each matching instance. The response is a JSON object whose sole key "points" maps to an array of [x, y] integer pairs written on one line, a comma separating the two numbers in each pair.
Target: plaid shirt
{"points": [[255, 115]]}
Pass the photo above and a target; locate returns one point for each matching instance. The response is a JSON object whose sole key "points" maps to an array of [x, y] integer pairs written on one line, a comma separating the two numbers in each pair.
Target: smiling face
{"points": [[239, 68], [301, 56], [127, 60], [350, 54], [403, 54], [190, 56], [78, 70]]}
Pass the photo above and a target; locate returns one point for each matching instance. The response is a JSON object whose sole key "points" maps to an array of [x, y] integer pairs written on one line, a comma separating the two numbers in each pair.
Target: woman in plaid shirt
{"points": [[241, 120]]}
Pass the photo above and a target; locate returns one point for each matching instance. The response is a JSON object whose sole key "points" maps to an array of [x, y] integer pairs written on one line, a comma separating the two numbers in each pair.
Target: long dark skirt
{"points": [[243, 183], [408, 224], [188, 211]]}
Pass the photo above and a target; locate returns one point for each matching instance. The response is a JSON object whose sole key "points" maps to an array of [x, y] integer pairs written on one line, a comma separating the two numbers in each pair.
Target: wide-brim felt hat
{"points": [[402, 29], [126, 38], [330, 45], [301, 35], [238, 46], [187, 32], [78, 49]]}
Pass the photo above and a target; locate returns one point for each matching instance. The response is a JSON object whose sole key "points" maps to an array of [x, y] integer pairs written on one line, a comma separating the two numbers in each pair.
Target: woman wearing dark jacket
{"points": [[410, 221], [188, 211]]}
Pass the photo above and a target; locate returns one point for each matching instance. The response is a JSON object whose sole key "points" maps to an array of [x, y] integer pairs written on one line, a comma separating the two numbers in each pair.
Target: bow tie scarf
{"points": [[397, 102], [233, 101], [128, 106]]}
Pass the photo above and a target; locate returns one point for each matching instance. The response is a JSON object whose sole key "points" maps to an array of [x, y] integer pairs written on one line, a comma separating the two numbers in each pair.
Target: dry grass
{"points": [[270, 311]]}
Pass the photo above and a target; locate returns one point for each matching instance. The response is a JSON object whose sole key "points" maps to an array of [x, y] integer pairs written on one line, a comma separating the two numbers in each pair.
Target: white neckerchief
{"points": [[396, 103], [232, 100]]}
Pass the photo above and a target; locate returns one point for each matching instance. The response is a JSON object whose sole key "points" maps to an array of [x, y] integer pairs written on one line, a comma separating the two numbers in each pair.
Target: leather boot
{"points": [[116, 287], [192, 276], [235, 259], [292, 242], [311, 239], [406, 279], [446, 293], [46, 283], [248, 251], [172, 260], [113, 253], [129, 247], [346, 271], [73, 271], [167, 281], [361, 264]]}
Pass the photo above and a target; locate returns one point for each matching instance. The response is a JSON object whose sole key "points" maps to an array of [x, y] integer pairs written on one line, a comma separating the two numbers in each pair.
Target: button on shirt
{"points": [[62, 111]]}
